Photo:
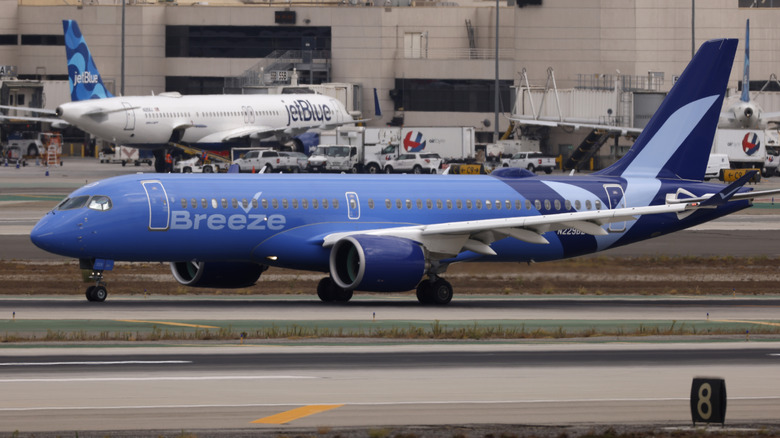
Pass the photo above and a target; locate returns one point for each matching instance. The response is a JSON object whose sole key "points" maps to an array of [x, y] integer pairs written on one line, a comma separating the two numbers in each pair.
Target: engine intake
{"points": [[217, 274], [377, 263]]}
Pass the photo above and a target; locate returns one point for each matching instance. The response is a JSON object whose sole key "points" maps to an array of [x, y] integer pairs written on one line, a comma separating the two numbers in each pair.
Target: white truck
{"points": [[196, 165], [256, 160], [122, 154], [33, 144], [373, 147], [745, 148], [452, 143], [532, 161]]}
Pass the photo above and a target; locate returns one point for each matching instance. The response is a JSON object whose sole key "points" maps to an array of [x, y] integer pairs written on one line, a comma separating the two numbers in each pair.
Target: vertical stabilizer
{"points": [[83, 75], [746, 68], [676, 143]]}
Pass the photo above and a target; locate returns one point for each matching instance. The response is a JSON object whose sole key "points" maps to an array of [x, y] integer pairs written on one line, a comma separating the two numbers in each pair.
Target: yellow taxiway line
{"points": [[178, 324], [749, 322], [294, 414]]}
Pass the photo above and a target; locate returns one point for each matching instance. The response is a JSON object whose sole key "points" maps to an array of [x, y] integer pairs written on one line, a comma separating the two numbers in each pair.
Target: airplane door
{"points": [[129, 116], [159, 210], [617, 199], [353, 205]]}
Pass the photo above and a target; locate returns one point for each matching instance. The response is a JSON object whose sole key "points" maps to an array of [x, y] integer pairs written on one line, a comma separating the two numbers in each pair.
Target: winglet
{"points": [[724, 195], [83, 75]]}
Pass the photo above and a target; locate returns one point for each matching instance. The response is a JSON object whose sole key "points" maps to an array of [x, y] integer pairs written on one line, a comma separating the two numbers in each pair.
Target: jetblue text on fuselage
{"points": [[183, 220], [85, 78], [304, 111]]}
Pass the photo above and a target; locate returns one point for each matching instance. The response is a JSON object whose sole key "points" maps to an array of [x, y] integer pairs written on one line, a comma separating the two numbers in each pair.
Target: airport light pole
{"points": [[495, 94]]}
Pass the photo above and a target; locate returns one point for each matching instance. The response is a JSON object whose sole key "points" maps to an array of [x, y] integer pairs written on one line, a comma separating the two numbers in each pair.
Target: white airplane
{"points": [[744, 113], [214, 122]]}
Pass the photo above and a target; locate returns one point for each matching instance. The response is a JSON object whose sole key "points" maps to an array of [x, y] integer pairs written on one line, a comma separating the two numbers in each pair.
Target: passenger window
{"points": [[335, 203], [214, 203], [304, 203], [438, 204], [100, 203], [598, 204], [557, 204], [468, 204], [419, 204], [324, 203], [508, 204], [315, 204], [244, 203], [459, 204], [587, 204], [429, 204], [295, 203], [498, 205], [183, 203], [285, 205], [547, 205], [234, 203], [398, 204], [194, 203], [449, 205], [224, 203], [488, 204], [264, 202], [388, 204], [204, 203], [409, 204], [518, 205], [478, 203], [371, 204], [577, 205], [254, 203], [567, 205], [274, 203], [538, 204], [527, 204]]}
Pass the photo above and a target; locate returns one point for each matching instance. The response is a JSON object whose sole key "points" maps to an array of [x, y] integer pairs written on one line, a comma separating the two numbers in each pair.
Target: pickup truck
{"points": [[270, 160], [531, 161]]}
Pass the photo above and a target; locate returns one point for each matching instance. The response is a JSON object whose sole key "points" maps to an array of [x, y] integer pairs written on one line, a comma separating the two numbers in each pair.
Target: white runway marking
{"points": [[400, 403], [117, 362], [151, 379]]}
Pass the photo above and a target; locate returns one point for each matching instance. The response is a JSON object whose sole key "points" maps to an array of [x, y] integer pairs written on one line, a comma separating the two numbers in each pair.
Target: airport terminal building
{"points": [[432, 63]]}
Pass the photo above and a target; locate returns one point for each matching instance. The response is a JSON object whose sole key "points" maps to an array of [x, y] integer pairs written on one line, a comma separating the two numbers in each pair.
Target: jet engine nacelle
{"points": [[377, 263], [217, 274]]}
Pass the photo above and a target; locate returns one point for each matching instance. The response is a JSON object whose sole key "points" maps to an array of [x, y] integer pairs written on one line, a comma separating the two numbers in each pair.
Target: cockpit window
{"points": [[73, 203], [100, 203]]}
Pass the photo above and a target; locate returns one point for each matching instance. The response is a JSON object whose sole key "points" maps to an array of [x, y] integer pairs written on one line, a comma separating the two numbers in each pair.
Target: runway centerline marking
{"points": [[178, 324], [294, 414]]}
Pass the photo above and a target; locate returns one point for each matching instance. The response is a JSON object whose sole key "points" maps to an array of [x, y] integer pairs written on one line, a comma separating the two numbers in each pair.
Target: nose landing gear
{"points": [[98, 292]]}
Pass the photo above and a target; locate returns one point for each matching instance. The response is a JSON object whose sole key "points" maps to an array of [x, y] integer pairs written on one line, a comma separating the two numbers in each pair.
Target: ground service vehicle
{"points": [[267, 159], [532, 161], [416, 163], [746, 148], [451, 143]]}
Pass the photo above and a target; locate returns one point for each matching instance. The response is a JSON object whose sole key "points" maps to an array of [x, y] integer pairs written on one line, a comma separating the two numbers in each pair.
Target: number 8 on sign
{"points": [[708, 401]]}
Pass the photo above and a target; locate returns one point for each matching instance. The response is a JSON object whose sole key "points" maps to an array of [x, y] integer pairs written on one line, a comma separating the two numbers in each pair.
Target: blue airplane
{"points": [[393, 233]]}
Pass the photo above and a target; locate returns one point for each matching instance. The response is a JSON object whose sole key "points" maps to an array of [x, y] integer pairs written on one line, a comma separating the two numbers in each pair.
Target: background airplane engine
{"points": [[217, 274], [377, 263]]}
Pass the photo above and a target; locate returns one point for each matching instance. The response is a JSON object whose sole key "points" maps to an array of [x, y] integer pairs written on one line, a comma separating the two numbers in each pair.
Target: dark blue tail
{"points": [[677, 141], [83, 75]]}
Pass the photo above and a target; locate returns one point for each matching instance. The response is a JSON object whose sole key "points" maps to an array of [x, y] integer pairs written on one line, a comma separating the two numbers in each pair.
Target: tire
{"points": [[208, 169], [417, 170], [325, 290], [187, 170], [268, 168], [531, 168], [89, 294], [547, 170], [372, 168], [424, 292], [506, 165], [124, 163], [441, 292], [99, 294], [388, 169]]}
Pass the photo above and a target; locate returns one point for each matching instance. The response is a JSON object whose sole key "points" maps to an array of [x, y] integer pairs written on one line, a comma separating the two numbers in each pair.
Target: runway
{"points": [[283, 388]]}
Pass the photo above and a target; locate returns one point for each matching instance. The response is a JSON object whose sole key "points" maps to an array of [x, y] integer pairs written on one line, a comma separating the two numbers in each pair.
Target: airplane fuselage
{"points": [[281, 220], [208, 121]]}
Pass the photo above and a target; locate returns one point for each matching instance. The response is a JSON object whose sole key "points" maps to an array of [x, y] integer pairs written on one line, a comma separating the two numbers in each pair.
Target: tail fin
{"points": [[83, 75], [677, 141], [746, 68]]}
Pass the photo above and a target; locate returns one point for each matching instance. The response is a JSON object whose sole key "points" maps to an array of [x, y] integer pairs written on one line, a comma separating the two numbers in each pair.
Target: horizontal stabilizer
{"points": [[724, 195]]}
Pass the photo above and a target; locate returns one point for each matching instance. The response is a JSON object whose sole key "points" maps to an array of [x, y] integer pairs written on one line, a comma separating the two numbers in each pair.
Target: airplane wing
{"points": [[261, 131], [28, 109], [574, 124], [57, 123], [451, 238]]}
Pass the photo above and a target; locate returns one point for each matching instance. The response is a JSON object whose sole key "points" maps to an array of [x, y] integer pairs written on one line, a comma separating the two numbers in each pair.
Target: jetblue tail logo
{"points": [[83, 75], [750, 143], [416, 145]]}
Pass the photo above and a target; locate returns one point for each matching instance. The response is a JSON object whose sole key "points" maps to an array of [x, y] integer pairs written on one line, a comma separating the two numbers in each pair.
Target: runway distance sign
{"points": [[708, 400]]}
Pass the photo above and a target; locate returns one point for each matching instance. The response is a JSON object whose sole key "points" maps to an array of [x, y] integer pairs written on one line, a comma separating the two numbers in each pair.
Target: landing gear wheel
{"points": [[424, 292], [441, 292], [325, 290], [89, 293], [342, 295]]}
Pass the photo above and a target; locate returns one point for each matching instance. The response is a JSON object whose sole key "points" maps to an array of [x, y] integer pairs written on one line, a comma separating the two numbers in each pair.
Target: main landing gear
{"points": [[435, 290], [98, 292]]}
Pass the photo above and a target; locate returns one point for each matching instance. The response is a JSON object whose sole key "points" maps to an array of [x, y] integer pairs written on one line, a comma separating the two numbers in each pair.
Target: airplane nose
{"points": [[50, 236], [41, 236]]}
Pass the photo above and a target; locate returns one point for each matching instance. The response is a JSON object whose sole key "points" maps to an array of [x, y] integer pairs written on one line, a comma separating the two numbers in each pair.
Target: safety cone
{"points": [[253, 169]]}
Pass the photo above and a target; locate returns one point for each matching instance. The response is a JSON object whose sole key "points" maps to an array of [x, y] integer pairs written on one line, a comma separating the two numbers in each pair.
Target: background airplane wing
{"points": [[574, 124], [230, 134], [58, 123], [28, 109]]}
